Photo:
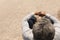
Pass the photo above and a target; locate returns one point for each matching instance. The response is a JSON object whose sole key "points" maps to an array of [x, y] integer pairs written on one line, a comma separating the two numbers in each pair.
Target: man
{"points": [[43, 29], [29, 20]]}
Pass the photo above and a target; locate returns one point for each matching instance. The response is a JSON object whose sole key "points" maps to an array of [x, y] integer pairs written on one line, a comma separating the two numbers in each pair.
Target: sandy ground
{"points": [[13, 11]]}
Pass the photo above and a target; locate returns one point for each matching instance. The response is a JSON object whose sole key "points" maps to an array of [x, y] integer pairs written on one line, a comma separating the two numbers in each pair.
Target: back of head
{"points": [[43, 30]]}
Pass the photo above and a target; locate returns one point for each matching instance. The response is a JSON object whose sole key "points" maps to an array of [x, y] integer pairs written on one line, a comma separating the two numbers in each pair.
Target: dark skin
{"points": [[41, 14]]}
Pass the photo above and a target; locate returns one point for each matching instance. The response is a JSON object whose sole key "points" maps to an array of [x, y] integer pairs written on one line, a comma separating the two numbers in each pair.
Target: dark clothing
{"points": [[31, 21]]}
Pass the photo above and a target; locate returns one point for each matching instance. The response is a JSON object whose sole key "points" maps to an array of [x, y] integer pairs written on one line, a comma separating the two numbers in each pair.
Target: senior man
{"points": [[29, 20]]}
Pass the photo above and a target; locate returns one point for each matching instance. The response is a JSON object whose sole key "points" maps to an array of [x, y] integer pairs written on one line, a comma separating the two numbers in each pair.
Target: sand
{"points": [[13, 11]]}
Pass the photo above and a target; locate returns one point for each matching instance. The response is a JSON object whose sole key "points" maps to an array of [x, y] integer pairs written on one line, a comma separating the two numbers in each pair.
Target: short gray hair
{"points": [[43, 30]]}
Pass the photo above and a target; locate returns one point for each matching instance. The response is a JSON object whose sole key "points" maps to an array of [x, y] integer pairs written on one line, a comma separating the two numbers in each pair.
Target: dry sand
{"points": [[12, 12]]}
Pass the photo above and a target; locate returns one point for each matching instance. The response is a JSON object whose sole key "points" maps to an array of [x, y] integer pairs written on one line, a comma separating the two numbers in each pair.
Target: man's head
{"points": [[43, 30]]}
